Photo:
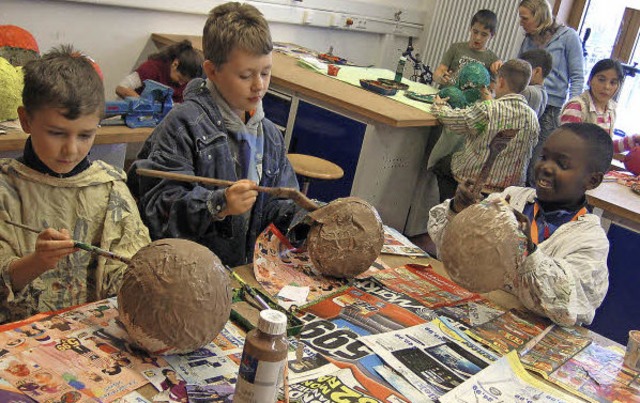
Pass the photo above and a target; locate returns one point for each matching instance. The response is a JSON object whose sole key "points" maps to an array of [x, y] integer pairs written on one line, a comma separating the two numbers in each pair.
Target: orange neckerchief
{"points": [[546, 232]]}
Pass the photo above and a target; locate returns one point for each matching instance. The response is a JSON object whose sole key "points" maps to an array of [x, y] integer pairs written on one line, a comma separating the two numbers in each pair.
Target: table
{"points": [[110, 143], [395, 141], [618, 203]]}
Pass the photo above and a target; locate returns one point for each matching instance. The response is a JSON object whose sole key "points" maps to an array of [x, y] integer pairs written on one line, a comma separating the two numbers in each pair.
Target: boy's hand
{"points": [[440, 101], [464, 196], [51, 246], [485, 93], [445, 78], [495, 66], [241, 196], [525, 227]]}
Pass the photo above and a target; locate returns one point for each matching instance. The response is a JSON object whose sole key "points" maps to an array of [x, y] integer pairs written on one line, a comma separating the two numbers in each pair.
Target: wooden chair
{"points": [[310, 167]]}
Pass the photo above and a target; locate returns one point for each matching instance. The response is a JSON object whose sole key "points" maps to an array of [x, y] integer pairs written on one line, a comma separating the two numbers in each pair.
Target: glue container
{"points": [[263, 359], [400, 69]]}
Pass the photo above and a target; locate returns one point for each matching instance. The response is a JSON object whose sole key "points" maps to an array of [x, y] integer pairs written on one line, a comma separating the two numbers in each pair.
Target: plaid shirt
{"points": [[479, 124]]}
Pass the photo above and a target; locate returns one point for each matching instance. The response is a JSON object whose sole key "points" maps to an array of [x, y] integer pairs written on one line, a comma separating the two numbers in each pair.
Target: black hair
{"points": [[539, 58], [599, 143], [189, 59], [63, 78], [607, 64], [486, 18]]}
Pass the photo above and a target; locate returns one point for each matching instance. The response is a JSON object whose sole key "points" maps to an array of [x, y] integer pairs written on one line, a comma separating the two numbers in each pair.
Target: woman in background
{"points": [[173, 66], [567, 72]]}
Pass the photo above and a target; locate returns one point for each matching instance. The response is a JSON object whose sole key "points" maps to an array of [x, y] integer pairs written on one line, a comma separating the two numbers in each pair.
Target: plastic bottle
{"points": [[263, 359], [400, 69]]}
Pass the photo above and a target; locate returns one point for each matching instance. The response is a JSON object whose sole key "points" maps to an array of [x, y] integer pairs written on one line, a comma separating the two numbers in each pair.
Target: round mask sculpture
{"points": [[345, 238], [473, 75], [17, 45], [11, 85], [483, 245], [456, 97], [175, 297]]}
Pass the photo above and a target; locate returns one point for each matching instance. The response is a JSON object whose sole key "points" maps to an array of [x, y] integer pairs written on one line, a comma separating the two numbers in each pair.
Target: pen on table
{"points": [[248, 289], [77, 244]]}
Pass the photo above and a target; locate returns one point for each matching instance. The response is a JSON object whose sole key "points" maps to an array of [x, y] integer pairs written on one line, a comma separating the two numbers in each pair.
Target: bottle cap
{"points": [[272, 322]]}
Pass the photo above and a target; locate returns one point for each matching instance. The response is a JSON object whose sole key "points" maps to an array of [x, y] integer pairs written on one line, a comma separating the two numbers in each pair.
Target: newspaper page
{"points": [[425, 286], [397, 244], [473, 313], [432, 362], [341, 386], [505, 381], [276, 264]]}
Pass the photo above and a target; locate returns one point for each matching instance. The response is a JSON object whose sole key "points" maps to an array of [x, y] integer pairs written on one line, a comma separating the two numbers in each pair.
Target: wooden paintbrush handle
{"points": [[196, 179], [482, 177]]}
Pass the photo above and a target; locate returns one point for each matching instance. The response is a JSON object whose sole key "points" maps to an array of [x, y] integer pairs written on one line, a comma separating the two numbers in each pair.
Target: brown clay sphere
{"points": [[483, 245], [175, 297], [345, 238]]}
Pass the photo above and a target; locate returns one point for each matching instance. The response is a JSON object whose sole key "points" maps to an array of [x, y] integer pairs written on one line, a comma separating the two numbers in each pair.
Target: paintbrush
{"points": [[288, 193], [248, 289], [80, 245], [497, 144]]}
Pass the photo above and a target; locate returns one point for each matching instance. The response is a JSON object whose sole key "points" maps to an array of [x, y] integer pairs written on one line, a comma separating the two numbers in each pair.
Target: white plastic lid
{"points": [[272, 322]]}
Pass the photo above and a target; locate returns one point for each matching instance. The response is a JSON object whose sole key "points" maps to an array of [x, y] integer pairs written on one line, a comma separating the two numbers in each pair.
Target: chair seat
{"points": [[314, 167]]}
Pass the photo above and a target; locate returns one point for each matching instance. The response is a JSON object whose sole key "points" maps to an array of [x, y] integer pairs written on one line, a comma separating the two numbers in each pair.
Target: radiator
{"points": [[451, 23]]}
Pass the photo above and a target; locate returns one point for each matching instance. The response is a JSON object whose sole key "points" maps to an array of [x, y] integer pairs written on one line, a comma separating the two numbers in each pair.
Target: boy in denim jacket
{"points": [[220, 131]]}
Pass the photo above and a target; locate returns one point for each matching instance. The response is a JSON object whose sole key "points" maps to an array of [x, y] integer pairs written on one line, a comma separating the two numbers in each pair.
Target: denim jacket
{"points": [[192, 139]]}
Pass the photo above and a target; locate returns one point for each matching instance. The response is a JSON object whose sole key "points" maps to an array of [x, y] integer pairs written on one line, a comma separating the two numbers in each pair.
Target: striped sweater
{"points": [[479, 124]]}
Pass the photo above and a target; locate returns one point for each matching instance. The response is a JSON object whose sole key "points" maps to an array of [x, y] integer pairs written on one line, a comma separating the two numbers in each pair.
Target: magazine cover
{"points": [[397, 244], [432, 362], [472, 313], [510, 331], [553, 350], [505, 381], [597, 374], [425, 286], [276, 264]]}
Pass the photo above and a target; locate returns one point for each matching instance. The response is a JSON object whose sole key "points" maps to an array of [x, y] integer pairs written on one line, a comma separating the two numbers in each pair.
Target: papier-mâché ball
{"points": [[175, 297]]}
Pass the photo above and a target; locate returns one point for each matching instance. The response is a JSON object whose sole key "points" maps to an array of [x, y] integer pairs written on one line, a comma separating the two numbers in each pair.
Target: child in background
{"points": [[483, 28], [564, 275], [480, 123], [55, 186], [535, 94], [596, 105], [174, 66], [220, 131]]}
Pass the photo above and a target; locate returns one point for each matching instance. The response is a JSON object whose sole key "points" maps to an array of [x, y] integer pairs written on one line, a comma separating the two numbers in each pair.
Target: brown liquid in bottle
{"points": [[263, 359]]}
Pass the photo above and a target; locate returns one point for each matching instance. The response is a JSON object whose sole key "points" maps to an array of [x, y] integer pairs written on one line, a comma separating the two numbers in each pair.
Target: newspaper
{"points": [[342, 386], [505, 381], [473, 313], [553, 350], [431, 360], [397, 244], [276, 263], [425, 286]]}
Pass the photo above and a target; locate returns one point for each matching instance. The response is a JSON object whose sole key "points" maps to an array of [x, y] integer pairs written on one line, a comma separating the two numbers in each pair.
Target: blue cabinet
{"points": [[620, 311], [322, 133]]}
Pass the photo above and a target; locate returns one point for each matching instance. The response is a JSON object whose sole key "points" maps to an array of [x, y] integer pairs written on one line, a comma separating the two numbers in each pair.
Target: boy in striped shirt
{"points": [[480, 123]]}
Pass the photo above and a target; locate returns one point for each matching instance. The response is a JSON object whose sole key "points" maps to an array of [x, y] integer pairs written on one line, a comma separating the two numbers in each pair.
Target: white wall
{"points": [[118, 38]]}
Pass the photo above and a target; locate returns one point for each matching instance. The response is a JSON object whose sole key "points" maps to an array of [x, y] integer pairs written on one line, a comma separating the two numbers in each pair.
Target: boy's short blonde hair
{"points": [[235, 25], [516, 73], [63, 78]]}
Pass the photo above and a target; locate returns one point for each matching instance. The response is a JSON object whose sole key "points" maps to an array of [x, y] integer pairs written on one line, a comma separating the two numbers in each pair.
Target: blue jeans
{"points": [[549, 121]]}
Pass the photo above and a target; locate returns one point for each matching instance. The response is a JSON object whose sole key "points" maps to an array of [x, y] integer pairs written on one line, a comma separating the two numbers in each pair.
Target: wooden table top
{"points": [[288, 74], [14, 139], [616, 199]]}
